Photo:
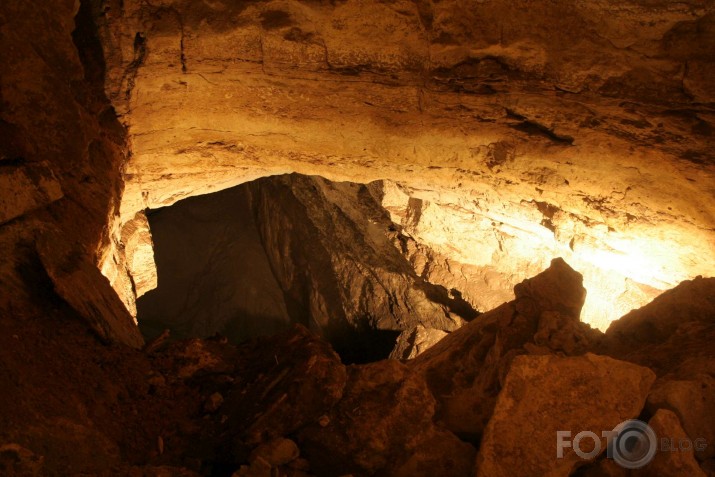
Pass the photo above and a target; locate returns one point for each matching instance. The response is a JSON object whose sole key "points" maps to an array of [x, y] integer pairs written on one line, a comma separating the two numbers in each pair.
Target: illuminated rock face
{"points": [[511, 132], [71, 405]]}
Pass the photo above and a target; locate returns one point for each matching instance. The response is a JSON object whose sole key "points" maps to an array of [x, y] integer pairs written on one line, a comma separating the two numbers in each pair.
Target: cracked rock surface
{"points": [[252, 259], [502, 134], [525, 131]]}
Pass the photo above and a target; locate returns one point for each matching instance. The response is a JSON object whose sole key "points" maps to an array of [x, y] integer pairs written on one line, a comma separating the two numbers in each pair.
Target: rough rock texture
{"points": [[414, 342], [692, 402], [519, 131], [252, 259], [545, 394], [603, 467], [360, 435], [464, 370], [512, 132], [71, 405], [670, 463], [25, 189], [139, 254], [79, 283], [673, 335], [61, 153]]}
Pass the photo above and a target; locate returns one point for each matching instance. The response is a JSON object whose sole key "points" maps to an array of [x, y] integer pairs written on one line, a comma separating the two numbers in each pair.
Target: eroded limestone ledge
{"points": [[517, 131]]}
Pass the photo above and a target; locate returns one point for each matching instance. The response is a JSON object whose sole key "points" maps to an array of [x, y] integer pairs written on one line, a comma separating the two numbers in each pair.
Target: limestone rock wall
{"points": [[61, 155], [527, 130]]}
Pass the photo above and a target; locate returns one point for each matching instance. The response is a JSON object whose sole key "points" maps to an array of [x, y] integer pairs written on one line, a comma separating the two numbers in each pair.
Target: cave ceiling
{"points": [[522, 130]]}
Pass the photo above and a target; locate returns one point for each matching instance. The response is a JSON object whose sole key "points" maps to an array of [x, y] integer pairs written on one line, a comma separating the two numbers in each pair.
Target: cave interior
{"points": [[357, 238]]}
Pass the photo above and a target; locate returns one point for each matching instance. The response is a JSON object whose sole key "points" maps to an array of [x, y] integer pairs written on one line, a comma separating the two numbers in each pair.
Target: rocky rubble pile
{"points": [[486, 400]]}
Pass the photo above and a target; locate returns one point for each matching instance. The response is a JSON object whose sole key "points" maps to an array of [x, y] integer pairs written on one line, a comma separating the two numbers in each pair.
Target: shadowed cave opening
{"points": [[254, 259]]}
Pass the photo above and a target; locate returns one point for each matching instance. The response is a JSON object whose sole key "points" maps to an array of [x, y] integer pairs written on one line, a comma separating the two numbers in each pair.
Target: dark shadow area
{"points": [[252, 260], [213, 273], [365, 345]]}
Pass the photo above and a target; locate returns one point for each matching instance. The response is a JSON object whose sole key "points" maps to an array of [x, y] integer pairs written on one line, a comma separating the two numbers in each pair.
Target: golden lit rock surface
{"points": [[465, 370], [416, 341], [25, 189], [518, 131], [319, 94], [139, 253]]}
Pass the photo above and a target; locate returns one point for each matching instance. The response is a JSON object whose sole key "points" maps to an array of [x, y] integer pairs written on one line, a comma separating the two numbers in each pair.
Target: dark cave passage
{"points": [[252, 260]]}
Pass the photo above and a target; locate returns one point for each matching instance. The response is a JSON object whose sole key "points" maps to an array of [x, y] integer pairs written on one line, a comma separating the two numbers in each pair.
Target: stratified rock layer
{"points": [[519, 131], [358, 434]]}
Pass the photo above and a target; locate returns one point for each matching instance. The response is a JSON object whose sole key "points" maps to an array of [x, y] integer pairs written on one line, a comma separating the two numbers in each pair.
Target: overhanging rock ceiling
{"points": [[523, 130]]}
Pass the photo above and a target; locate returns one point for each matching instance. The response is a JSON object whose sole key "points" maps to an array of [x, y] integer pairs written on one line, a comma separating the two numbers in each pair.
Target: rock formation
{"points": [[492, 136], [286, 404], [546, 394], [291, 249], [517, 132]]}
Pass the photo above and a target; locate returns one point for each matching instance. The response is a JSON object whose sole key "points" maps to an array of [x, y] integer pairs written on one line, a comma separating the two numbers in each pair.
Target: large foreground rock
{"points": [[464, 370], [693, 402], [546, 394], [672, 335], [81, 284]]}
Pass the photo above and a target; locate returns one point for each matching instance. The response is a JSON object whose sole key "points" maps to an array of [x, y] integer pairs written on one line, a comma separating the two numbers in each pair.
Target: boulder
{"points": [[384, 425], [672, 459], [546, 394], [693, 402], [677, 325], [412, 343], [464, 369]]}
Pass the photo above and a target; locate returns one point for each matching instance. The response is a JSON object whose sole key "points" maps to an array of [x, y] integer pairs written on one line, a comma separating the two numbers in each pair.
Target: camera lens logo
{"points": [[634, 444]]}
